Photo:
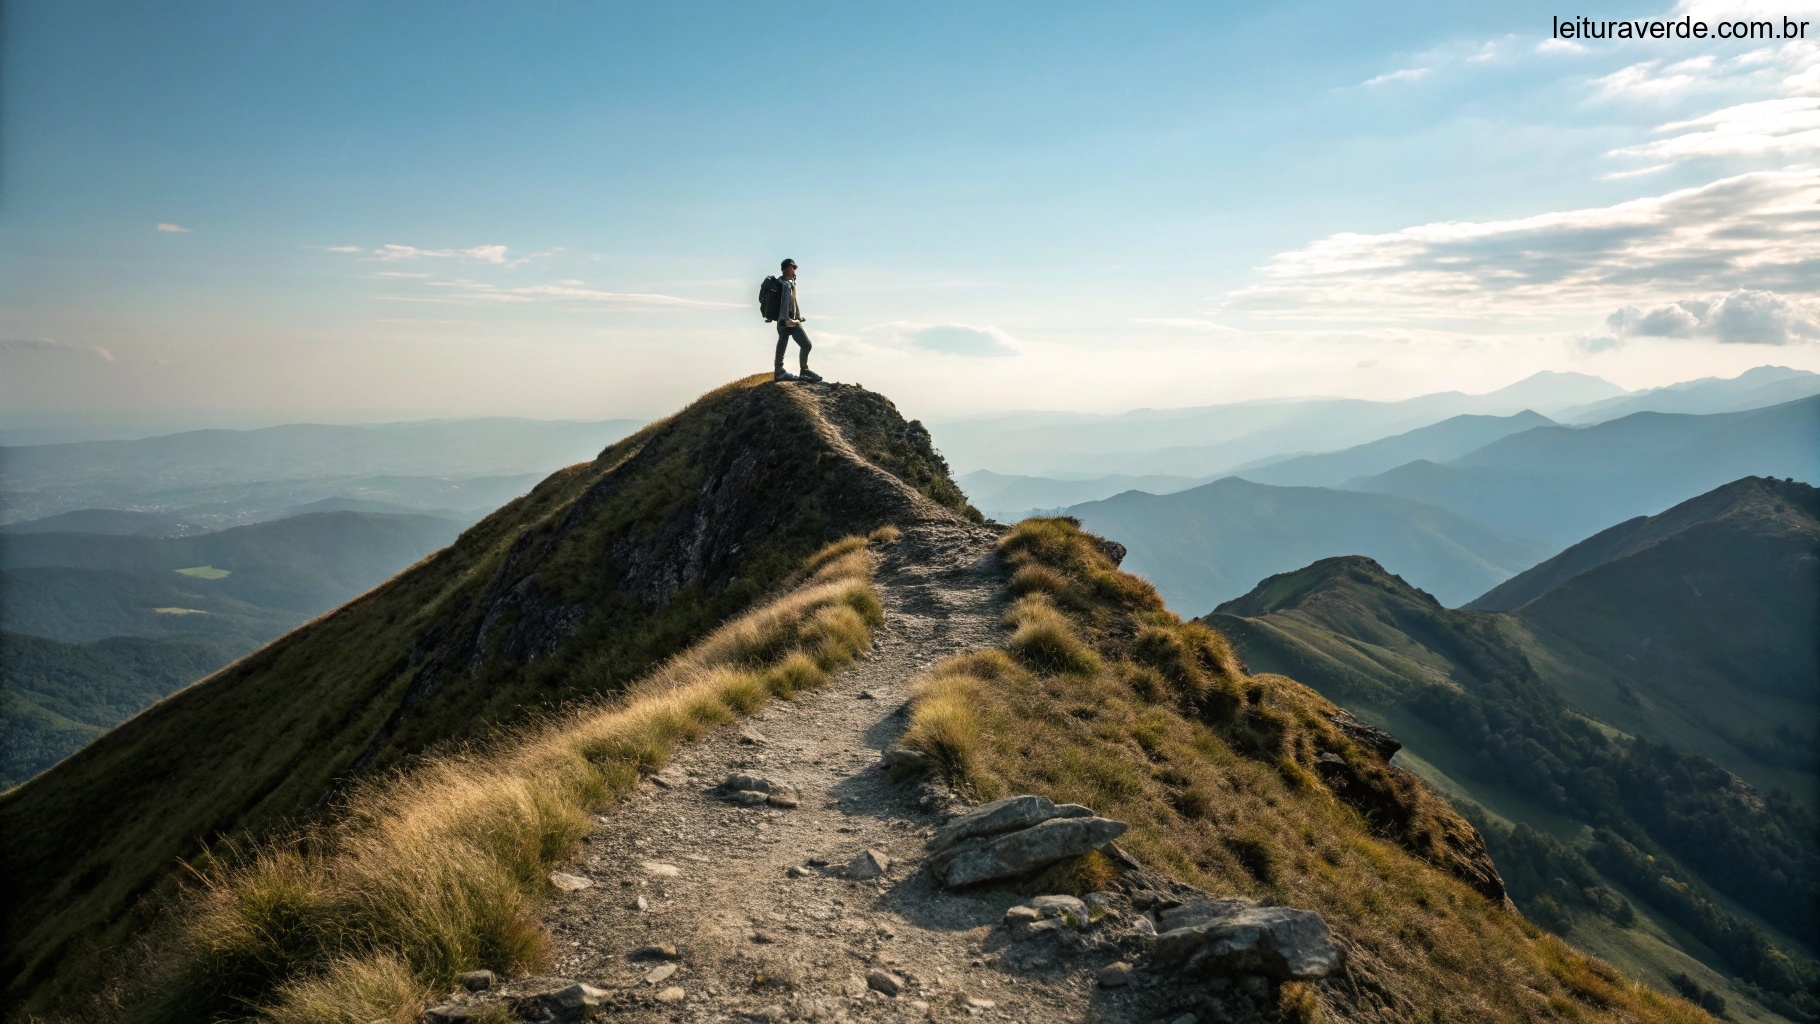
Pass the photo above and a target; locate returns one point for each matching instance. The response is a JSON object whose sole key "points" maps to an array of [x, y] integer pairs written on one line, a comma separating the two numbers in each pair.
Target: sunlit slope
{"points": [[573, 590], [1610, 713]]}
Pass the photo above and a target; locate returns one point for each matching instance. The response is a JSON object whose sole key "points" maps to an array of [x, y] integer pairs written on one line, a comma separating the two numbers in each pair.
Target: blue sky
{"points": [[244, 213]]}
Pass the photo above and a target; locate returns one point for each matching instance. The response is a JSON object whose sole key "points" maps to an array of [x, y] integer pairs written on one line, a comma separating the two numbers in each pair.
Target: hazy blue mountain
{"points": [[1561, 484], [235, 476], [1208, 440], [341, 504], [1448, 439], [106, 521], [1010, 498], [1212, 543], [305, 564], [1752, 389]]}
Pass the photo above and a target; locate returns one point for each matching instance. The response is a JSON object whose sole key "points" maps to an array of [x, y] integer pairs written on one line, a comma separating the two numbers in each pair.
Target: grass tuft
{"points": [[1046, 641]]}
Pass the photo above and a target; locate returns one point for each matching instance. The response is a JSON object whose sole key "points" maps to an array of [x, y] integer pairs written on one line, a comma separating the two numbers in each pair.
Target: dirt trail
{"points": [[754, 942]]}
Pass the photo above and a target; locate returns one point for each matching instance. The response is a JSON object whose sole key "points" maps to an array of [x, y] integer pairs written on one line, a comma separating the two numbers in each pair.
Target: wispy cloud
{"points": [[345, 248], [174, 229], [479, 253], [1187, 323], [947, 339], [1788, 127], [1759, 230], [50, 346], [1400, 75], [469, 292]]}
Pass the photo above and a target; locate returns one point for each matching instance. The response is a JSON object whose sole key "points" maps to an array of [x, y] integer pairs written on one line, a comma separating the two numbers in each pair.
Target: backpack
{"points": [[770, 296]]}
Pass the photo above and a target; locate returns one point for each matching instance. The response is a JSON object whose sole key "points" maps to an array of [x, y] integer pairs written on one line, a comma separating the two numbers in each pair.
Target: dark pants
{"points": [[784, 334]]}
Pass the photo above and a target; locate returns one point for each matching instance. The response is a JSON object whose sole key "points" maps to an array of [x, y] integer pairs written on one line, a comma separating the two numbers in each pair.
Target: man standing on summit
{"points": [[777, 301]]}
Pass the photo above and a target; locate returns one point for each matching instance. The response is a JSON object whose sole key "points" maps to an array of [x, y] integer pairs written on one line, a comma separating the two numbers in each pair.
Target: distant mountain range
{"points": [[1439, 442], [1011, 498], [1047, 461], [1208, 544], [1610, 703], [1206, 441], [1752, 389], [1559, 483], [94, 626], [221, 478]]}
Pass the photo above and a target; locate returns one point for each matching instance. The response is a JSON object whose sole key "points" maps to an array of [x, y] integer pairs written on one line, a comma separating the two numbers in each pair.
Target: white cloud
{"points": [[345, 248], [1561, 46], [50, 346], [1759, 231], [1785, 127], [476, 293], [174, 228], [479, 253], [1188, 323], [1741, 317], [948, 339], [1403, 75]]}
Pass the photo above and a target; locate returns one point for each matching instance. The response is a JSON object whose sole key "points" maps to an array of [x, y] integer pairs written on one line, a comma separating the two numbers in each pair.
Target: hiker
{"points": [[777, 301]]}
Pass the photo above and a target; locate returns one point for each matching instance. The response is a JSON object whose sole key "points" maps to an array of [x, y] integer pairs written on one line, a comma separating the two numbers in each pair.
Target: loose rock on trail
{"points": [[777, 871]]}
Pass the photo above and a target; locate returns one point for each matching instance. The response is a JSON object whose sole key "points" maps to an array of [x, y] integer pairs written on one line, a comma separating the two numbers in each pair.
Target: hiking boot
{"points": [[810, 375], [782, 374]]}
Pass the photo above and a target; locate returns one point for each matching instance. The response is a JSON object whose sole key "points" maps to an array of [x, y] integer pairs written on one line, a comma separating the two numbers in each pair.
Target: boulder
{"points": [[1066, 907], [475, 981], [884, 981], [1237, 937], [870, 864], [1115, 975], [753, 790], [999, 816], [1372, 738], [559, 1001], [1009, 854], [567, 882], [905, 759]]}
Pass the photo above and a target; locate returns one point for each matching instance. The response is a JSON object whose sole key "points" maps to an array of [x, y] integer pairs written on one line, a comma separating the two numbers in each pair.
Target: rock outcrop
{"points": [[1239, 937], [1014, 836]]}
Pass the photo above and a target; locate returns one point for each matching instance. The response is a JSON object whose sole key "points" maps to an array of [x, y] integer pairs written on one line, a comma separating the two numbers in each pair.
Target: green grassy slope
{"points": [[1515, 711], [571, 591]]}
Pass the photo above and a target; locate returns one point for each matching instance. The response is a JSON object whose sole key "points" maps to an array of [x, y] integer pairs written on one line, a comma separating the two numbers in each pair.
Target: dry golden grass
{"points": [[442, 869], [1212, 768]]}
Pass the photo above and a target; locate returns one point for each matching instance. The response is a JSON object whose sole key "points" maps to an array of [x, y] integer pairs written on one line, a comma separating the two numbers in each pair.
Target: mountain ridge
{"points": [[577, 587]]}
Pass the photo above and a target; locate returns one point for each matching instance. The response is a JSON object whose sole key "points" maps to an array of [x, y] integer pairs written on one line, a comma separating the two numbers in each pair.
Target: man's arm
{"points": [[792, 312]]}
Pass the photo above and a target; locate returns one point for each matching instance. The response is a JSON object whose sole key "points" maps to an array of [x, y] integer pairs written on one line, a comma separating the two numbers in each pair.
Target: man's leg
{"points": [[802, 355], [803, 347], [783, 342]]}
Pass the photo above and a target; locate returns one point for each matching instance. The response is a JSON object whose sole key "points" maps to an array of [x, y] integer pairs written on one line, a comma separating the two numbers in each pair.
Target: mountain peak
{"points": [[1766, 500], [1322, 580]]}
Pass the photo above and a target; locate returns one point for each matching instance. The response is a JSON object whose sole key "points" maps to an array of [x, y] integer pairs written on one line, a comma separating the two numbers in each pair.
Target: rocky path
{"points": [[698, 909]]}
